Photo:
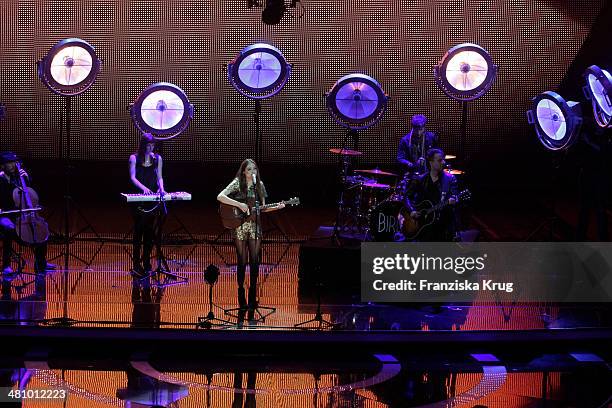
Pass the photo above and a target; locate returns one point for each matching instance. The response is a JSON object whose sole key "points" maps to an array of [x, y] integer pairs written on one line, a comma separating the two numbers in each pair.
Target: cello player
{"points": [[9, 181]]}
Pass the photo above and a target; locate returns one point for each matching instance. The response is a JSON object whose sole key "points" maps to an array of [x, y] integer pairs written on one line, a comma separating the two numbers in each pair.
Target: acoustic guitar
{"points": [[428, 214], [233, 217]]}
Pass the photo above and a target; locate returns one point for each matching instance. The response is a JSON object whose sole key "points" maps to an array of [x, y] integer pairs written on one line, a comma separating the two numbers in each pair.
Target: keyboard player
{"points": [[146, 177]]}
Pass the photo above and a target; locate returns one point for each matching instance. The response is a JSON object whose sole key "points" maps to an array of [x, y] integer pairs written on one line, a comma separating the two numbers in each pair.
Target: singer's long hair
{"points": [[242, 179]]}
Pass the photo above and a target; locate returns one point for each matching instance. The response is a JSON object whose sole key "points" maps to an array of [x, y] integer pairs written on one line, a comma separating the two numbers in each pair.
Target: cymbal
{"points": [[377, 172], [346, 152], [376, 185], [454, 172], [450, 157]]}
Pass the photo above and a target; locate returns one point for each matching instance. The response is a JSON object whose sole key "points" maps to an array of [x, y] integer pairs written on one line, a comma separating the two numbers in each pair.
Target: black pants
{"points": [[248, 251], [7, 229], [143, 239]]}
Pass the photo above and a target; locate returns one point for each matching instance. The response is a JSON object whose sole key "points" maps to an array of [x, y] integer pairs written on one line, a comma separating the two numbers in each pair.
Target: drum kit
{"points": [[372, 201]]}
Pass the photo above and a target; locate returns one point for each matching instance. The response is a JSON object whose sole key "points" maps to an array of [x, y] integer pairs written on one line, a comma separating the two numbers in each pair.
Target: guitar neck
{"points": [[264, 207], [460, 198]]}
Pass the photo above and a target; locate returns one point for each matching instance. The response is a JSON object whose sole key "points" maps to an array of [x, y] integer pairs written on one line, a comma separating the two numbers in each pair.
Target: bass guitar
{"points": [[233, 217], [428, 214]]}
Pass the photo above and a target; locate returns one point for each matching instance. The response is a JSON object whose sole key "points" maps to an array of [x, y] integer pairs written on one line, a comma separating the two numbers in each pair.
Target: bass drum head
{"points": [[386, 221]]}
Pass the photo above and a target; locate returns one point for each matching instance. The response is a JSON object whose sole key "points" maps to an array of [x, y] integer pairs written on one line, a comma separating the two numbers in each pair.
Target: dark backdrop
{"points": [[188, 42]]}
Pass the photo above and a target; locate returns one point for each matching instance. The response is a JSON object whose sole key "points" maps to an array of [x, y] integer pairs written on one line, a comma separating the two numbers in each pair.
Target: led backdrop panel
{"points": [[187, 42]]}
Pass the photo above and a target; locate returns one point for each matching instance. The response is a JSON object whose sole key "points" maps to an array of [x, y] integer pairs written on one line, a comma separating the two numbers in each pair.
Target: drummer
{"points": [[414, 146]]}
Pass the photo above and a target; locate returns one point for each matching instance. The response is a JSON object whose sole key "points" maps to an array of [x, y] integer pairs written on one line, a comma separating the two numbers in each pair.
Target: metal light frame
{"points": [[248, 59], [61, 60], [165, 91], [352, 87], [557, 122], [598, 89], [456, 62]]}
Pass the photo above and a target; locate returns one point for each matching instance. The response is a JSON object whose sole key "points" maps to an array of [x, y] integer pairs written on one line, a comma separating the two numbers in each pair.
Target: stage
{"points": [[93, 322], [367, 158]]}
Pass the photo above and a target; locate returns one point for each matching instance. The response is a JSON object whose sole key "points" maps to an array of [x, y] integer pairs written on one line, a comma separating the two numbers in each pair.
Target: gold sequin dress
{"points": [[249, 229]]}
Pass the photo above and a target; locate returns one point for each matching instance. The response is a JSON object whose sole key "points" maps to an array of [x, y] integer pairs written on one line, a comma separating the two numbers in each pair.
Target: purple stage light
{"points": [[598, 90], [70, 67], [163, 110], [356, 101], [259, 71], [557, 122], [465, 72]]}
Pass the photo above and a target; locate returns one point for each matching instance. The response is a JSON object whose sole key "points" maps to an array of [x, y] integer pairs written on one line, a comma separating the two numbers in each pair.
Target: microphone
{"points": [[254, 179]]}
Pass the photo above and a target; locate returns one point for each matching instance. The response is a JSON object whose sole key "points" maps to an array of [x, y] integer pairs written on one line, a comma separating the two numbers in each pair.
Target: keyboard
{"points": [[144, 198]]}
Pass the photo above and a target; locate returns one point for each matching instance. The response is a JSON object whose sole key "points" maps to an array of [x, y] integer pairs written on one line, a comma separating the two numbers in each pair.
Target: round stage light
{"points": [[356, 101], [557, 122], [465, 72], [163, 110], [598, 90], [70, 67], [259, 71]]}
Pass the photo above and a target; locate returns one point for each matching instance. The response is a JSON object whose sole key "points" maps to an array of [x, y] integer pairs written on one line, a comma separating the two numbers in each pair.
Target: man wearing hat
{"points": [[414, 146], [9, 180]]}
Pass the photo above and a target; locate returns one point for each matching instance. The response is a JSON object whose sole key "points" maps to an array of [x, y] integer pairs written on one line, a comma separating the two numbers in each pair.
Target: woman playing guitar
{"points": [[247, 192]]}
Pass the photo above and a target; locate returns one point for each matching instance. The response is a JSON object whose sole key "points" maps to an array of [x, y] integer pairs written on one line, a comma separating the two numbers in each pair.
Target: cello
{"points": [[30, 227]]}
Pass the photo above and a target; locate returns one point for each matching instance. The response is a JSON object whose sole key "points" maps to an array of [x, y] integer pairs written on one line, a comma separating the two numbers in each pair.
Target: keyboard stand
{"points": [[162, 276]]}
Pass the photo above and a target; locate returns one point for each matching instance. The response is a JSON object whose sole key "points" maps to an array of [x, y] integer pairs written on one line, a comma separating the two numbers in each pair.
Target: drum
{"points": [[386, 221], [358, 179], [361, 194], [373, 193], [400, 191]]}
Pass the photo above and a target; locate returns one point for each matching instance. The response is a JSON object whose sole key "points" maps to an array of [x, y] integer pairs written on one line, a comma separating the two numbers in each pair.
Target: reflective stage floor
{"points": [[110, 339], [101, 292]]}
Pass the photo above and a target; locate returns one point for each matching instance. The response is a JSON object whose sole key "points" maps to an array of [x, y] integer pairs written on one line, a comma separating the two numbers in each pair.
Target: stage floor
{"points": [[110, 339], [98, 291], [368, 381]]}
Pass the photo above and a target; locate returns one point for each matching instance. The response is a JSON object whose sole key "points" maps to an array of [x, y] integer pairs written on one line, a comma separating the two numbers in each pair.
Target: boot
{"points": [[240, 272], [7, 253], [7, 271], [253, 273], [40, 261]]}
